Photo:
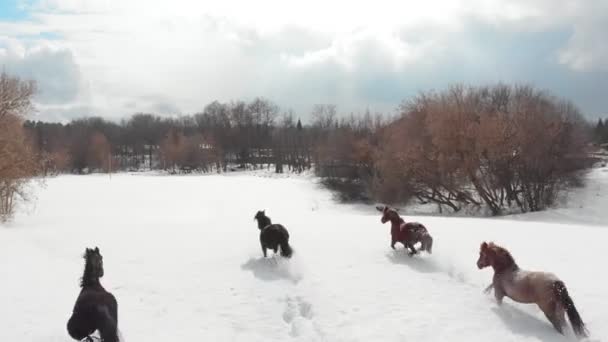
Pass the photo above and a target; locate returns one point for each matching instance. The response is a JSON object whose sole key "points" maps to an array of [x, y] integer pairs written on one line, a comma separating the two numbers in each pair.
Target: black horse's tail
{"points": [[561, 293], [286, 250], [108, 327]]}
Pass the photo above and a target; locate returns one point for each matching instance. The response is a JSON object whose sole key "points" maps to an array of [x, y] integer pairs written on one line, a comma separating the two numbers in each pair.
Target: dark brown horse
{"points": [[543, 289], [409, 234]]}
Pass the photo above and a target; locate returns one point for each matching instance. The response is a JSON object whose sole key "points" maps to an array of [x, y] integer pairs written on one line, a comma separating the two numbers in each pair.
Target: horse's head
{"points": [[388, 214], [93, 262], [493, 255], [262, 219], [485, 256], [259, 215]]}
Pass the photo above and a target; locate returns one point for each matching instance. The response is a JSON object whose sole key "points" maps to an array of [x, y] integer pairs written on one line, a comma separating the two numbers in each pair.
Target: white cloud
{"points": [[176, 56], [362, 49], [57, 75], [587, 49]]}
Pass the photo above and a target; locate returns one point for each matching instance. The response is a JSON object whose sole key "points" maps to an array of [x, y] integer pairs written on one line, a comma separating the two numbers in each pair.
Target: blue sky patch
{"points": [[11, 10]]}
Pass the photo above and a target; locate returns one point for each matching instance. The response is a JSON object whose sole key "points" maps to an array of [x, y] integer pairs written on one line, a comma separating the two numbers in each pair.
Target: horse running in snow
{"points": [[409, 234], [544, 289], [273, 236], [95, 308]]}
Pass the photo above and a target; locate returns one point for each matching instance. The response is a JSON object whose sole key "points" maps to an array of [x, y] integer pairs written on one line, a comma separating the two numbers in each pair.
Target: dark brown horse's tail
{"points": [[427, 243], [561, 293]]}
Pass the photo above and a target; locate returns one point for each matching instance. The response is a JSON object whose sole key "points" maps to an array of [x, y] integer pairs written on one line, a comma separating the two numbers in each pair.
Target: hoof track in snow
{"points": [[297, 307], [274, 268], [427, 264], [418, 263], [299, 315]]}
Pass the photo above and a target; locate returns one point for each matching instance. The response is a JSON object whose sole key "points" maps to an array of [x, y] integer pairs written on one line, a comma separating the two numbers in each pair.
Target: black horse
{"points": [[95, 308], [273, 236]]}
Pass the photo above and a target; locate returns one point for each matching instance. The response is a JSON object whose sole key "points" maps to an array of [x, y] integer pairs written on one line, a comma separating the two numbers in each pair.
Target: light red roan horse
{"points": [[544, 289]]}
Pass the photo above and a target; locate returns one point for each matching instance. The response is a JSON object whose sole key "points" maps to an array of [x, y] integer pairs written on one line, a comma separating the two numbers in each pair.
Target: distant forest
{"points": [[499, 147]]}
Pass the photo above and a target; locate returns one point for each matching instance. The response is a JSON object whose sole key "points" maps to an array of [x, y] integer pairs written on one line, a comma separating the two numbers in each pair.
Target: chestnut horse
{"points": [[544, 289], [408, 234]]}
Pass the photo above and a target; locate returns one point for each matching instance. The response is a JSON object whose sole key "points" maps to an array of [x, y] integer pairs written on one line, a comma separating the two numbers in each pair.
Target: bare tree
{"points": [[98, 154], [17, 159]]}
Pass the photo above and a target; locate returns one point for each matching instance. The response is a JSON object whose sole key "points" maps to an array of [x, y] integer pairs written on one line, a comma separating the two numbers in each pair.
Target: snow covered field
{"points": [[182, 257]]}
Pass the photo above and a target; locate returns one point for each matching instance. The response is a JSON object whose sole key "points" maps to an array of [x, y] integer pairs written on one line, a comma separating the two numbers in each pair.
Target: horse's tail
{"points": [[286, 250], [108, 327], [561, 293], [428, 243]]}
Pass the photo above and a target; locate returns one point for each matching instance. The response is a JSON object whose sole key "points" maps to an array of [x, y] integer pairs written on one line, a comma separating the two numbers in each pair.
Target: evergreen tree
{"points": [[598, 134]]}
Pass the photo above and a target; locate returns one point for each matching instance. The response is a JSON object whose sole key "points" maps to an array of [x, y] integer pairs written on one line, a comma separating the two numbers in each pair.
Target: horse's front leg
{"points": [[499, 294], [489, 288], [393, 242]]}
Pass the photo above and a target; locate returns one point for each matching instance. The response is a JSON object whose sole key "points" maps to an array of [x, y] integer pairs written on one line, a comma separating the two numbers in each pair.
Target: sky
{"points": [[114, 58]]}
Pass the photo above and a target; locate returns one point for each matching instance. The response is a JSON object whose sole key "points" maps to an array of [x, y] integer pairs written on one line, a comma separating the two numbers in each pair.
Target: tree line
{"points": [[500, 147]]}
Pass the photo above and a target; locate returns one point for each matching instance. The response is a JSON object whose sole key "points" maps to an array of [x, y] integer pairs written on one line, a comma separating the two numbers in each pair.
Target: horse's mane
{"points": [[502, 257], [399, 218], [88, 278]]}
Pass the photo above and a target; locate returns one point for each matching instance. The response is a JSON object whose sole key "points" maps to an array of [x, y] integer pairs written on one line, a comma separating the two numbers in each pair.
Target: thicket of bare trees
{"points": [[17, 160], [236, 135], [344, 150], [502, 147], [498, 147]]}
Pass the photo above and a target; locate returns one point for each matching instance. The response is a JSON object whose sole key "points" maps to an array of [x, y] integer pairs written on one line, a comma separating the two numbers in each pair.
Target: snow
{"points": [[182, 257]]}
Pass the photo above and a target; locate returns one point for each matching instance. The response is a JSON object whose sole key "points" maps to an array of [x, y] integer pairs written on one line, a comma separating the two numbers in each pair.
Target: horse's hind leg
{"points": [[107, 325], [79, 328], [264, 250], [554, 316], [555, 322], [411, 248]]}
